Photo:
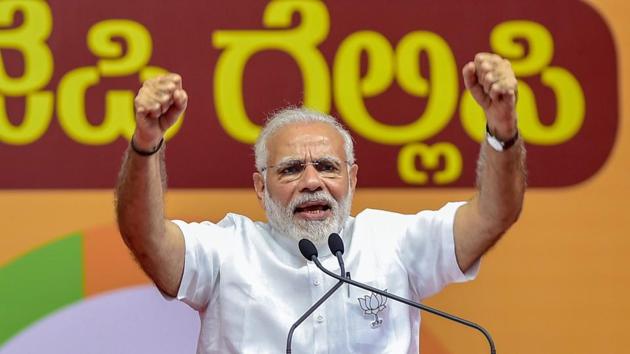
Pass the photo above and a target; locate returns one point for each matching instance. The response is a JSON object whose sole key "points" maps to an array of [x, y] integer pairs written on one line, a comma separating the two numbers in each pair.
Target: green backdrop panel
{"points": [[39, 283]]}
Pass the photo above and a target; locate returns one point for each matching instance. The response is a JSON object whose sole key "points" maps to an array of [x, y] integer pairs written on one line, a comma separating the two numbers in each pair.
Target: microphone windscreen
{"points": [[307, 248], [335, 243]]}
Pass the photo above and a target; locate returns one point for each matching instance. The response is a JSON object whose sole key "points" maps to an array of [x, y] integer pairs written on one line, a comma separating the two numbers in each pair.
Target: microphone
{"points": [[392, 296], [336, 247], [335, 244], [309, 251]]}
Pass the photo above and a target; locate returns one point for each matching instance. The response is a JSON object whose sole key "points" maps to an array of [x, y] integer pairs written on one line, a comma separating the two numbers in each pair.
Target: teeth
{"points": [[313, 207], [311, 210]]}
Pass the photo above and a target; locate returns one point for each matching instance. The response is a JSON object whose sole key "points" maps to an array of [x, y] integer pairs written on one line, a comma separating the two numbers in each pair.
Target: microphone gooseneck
{"points": [[403, 300]]}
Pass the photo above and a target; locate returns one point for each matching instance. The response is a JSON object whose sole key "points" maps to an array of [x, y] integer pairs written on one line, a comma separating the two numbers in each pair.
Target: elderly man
{"points": [[248, 280]]}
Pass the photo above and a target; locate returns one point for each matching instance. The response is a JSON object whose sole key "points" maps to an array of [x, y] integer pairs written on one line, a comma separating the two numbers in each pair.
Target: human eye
{"points": [[291, 168], [326, 165]]}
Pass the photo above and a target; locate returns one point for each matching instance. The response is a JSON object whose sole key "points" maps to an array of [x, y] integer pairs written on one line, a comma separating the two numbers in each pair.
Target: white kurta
{"points": [[251, 284]]}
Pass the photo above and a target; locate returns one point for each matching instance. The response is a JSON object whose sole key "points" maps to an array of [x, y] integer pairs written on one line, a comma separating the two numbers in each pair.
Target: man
{"points": [[248, 280]]}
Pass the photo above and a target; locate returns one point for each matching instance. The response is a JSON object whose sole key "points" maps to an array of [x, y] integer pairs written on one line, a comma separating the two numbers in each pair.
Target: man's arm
{"points": [[157, 244], [501, 175]]}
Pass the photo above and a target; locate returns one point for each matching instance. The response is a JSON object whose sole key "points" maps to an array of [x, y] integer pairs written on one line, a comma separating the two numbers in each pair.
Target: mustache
{"points": [[319, 196]]}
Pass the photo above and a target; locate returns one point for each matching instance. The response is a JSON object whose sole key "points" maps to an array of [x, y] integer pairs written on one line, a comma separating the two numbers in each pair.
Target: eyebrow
{"points": [[293, 159]]}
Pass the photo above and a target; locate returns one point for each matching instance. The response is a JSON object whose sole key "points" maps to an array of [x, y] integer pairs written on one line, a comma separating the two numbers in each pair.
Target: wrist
{"points": [[145, 149], [498, 143]]}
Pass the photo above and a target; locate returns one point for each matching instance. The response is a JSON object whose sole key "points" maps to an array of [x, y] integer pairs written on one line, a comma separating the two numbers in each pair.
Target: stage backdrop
{"points": [[390, 70]]}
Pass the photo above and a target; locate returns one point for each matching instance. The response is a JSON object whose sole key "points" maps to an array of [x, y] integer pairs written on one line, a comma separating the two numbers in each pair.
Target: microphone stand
{"points": [[315, 306], [407, 302]]}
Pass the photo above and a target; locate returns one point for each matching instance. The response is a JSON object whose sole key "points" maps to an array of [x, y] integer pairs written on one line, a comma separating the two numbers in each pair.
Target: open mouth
{"points": [[313, 210]]}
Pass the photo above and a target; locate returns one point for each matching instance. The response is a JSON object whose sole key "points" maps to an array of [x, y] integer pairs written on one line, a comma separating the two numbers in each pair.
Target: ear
{"points": [[354, 170], [259, 186]]}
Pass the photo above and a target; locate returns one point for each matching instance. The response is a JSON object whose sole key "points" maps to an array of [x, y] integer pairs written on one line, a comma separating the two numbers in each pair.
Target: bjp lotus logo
{"points": [[373, 304]]}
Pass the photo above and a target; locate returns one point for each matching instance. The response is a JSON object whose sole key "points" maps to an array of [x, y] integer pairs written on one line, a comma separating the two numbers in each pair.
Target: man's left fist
{"points": [[492, 83]]}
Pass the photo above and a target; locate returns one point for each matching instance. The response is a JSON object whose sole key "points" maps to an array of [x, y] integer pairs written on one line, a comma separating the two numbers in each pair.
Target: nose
{"points": [[310, 181]]}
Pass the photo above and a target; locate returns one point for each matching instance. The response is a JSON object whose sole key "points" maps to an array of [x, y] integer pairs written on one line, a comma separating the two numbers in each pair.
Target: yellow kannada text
{"points": [[343, 83]]}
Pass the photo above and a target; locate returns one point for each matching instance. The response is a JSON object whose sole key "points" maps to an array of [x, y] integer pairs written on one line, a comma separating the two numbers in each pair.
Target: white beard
{"points": [[283, 220]]}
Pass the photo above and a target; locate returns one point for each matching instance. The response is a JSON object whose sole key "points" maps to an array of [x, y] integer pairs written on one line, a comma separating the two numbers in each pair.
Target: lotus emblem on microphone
{"points": [[373, 304]]}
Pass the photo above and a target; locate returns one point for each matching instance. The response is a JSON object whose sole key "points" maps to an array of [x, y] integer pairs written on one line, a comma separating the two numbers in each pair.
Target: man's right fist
{"points": [[158, 105]]}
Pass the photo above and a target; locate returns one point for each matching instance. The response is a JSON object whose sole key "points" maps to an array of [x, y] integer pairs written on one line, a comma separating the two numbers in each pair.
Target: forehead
{"points": [[305, 140]]}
